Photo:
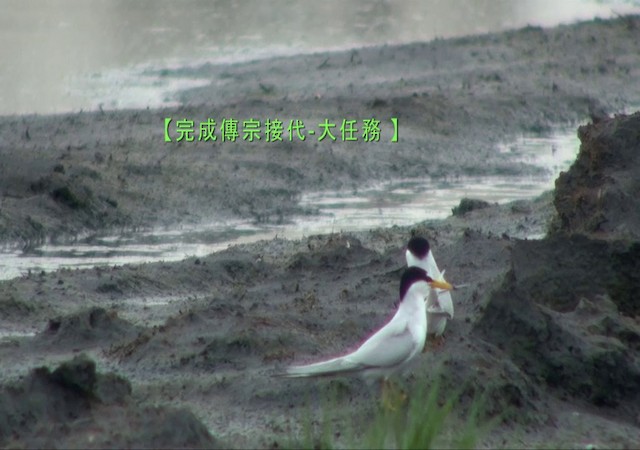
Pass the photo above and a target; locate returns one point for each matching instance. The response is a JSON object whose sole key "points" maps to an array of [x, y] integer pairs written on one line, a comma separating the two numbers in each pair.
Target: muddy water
{"points": [[401, 202], [404, 202], [68, 55]]}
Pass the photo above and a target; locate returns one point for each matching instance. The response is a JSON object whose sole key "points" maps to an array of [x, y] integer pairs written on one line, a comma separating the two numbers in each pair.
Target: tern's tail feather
{"points": [[332, 366]]}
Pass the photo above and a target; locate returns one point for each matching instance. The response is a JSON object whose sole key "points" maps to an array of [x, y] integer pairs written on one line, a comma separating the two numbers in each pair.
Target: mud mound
{"points": [[599, 193], [468, 204], [211, 338], [332, 250], [74, 406], [565, 270], [87, 327], [474, 371], [45, 400], [560, 320], [566, 312], [13, 307]]}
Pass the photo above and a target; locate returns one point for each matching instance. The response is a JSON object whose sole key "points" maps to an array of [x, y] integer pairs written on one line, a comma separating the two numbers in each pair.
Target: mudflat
{"points": [[182, 354]]}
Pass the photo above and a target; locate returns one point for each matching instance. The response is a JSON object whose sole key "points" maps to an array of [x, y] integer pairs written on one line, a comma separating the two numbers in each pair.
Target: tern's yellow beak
{"points": [[440, 284]]}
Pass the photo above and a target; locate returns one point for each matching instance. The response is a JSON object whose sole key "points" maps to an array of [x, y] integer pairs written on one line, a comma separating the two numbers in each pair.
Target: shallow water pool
{"points": [[399, 202]]}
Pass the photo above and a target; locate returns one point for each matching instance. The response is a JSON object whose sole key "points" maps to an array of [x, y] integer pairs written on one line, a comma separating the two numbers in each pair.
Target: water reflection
{"points": [[71, 54], [404, 202]]}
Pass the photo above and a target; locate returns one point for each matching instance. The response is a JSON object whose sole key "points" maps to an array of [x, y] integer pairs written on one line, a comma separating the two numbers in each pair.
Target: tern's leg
{"points": [[393, 397], [386, 402], [433, 342]]}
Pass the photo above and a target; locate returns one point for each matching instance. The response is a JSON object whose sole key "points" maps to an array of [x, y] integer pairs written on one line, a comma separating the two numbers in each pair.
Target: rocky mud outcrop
{"points": [[567, 312], [599, 195]]}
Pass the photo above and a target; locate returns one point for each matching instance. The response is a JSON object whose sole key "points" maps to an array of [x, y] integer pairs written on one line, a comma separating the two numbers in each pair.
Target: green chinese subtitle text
{"points": [[273, 130]]}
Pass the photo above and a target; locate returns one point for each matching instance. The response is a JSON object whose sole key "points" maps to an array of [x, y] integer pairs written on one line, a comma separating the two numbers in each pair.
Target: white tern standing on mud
{"points": [[393, 345], [439, 303]]}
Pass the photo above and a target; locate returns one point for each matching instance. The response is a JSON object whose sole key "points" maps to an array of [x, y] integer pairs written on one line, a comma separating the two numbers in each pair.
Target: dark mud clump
{"points": [[567, 311], [13, 307], [88, 327], [468, 204], [75, 406], [563, 326], [599, 194]]}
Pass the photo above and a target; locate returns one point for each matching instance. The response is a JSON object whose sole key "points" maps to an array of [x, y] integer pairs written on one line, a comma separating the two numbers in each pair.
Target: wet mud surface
{"points": [[182, 354], [73, 175]]}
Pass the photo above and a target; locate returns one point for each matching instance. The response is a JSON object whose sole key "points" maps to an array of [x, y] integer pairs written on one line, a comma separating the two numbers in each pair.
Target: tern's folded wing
{"points": [[438, 297], [387, 348]]}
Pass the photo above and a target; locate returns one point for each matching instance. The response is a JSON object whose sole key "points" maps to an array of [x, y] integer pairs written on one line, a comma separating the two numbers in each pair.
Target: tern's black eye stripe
{"points": [[410, 276], [419, 246]]}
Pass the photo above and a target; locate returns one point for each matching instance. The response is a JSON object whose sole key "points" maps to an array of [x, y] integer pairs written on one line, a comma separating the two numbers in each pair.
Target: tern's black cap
{"points": [[419, 246], [410, 276]]}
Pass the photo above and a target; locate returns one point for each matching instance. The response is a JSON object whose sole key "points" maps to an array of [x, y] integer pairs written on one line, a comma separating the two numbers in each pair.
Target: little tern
{"points": [[439, 303], [395, 344]]}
